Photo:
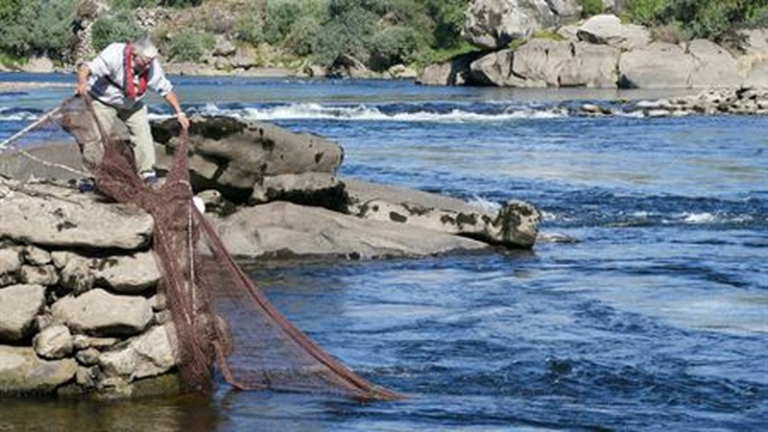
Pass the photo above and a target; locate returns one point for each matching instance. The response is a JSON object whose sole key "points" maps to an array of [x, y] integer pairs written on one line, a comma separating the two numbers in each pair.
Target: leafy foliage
{"points": [[190, 45], [120, 27], [591, 7]]}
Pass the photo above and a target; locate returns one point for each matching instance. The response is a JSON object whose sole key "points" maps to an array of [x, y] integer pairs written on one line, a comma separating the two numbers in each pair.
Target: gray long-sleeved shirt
{"points": [[108, 69]]}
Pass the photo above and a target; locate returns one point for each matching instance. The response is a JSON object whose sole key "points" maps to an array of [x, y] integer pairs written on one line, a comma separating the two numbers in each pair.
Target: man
{"points": [[117, 80]]}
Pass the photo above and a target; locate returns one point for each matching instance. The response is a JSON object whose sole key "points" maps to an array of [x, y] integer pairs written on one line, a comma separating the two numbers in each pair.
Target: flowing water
{"points": [[657, 319]]}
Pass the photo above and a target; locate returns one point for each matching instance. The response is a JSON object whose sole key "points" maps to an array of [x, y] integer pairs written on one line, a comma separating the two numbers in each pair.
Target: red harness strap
{"points": [[129, 85]]}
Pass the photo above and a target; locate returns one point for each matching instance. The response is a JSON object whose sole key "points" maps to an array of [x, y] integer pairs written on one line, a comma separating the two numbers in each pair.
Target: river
{"points": [[656, 319]]}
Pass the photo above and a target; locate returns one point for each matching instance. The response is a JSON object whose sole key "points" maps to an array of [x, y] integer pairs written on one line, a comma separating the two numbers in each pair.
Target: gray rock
{"points": [[542, 60], [715, 67], [88, 357], [281, 229], [594, 66], [659, 65], [36, 256], [83, 342], [19, 304], [565, 9], [493, 24], [514, 225], [313, 189], [45, 275], [66, 218], [147, 355], [77, 273], [131, 274], [10, 265], [452, 72], [100, 313], [232, 156], [609, 30], [495, 69], [53, 343], [22, 371]]}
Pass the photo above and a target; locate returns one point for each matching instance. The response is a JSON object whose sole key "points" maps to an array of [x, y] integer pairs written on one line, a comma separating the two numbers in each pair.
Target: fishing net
{"points": [[220, 316]]}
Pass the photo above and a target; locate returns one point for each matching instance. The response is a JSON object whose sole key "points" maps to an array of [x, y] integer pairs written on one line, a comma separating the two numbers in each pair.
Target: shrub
{"points": [[591, 7], [190, 45], [348, 30], [395, 45], [448, 16], [120, 27], [303, 32], [645, 12]]}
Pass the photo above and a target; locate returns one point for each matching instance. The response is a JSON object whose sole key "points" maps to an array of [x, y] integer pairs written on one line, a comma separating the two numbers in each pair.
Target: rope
{"points": [[47, 116], [42, 120]]}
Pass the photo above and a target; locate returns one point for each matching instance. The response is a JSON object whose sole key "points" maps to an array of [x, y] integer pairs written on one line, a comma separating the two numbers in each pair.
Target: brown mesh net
{"points": [[220, 316]]}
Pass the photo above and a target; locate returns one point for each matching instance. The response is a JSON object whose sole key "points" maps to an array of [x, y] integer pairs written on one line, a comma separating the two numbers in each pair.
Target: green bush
{"points": [[395, 45], [281, 14], [645, 12], [348, 30], [190, 45], [448, 16], [591, 7], [303, 32], [250, 29], [35, 27], [118, 28]]}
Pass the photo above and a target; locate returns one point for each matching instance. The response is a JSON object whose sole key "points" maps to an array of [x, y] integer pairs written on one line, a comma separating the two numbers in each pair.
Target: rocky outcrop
{"points": [[600, 52], [235, 157], [493, 24], [515, 224]]}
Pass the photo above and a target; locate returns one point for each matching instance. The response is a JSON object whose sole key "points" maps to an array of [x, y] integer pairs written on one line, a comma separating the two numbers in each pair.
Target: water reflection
{"points": [[191, 413]]}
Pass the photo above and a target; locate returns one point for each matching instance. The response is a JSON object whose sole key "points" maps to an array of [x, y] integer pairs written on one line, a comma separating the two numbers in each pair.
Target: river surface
{"points": [[657, 319]]}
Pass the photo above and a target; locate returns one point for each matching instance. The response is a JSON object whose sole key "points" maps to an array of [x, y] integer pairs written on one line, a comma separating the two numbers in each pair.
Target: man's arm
{"points": [[173, 101]]}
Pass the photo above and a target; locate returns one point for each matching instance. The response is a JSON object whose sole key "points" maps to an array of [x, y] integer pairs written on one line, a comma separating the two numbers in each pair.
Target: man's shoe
{"points": [[86, 185]]}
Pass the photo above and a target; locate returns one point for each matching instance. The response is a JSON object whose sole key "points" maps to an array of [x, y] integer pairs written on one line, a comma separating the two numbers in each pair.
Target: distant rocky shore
{"points": [[601, 52]]}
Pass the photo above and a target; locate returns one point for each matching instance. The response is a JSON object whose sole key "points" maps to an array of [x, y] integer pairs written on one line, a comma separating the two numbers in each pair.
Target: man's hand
{"points": [[83, 72], [183, 120], [81, 89]]}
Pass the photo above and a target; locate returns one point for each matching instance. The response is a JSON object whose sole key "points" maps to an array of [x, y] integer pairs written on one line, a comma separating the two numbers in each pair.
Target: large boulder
{"points": [[543, 62], [281, 229], [715, 67], [493, 24], [591, 66], [131, 274], [452, 72], [495, 69], [609, 30], [514, 225], [66, 218], [22, 371], [147, 355], [658, 65], [233, 156], [100, 313], [19, 305]]}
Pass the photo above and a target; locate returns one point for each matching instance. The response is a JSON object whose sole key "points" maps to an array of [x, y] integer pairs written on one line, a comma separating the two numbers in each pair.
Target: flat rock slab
{"points": [[48, 215], [281, 229]]}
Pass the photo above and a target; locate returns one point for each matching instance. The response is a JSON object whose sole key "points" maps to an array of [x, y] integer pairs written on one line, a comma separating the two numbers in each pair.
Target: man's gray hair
{"points": [[145, 48]]}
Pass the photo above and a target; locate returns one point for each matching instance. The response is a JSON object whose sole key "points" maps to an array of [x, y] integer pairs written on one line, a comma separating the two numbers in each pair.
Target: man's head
{"points": [[145, 51]]}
